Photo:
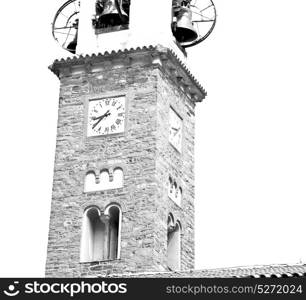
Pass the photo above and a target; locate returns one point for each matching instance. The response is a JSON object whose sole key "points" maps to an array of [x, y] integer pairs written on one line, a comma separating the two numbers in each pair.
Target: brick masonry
{"points": [[152, 80]]}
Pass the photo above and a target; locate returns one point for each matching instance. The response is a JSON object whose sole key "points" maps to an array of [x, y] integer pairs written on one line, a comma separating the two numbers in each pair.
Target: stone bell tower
{"points": [[123, 191]]}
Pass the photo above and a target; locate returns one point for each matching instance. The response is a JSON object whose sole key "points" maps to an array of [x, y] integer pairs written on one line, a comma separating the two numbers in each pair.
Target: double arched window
{"points": [[90, 182], [101, 234]]}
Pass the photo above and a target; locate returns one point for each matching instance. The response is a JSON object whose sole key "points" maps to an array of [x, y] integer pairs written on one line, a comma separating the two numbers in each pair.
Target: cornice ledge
{"points": [[160, 55]]}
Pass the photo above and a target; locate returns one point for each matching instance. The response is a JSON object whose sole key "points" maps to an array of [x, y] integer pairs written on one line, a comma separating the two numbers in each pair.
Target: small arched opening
{"points": [[173, 244], [90, 182], [115, 216], [118, 179], [93, 236], [105, 183]]}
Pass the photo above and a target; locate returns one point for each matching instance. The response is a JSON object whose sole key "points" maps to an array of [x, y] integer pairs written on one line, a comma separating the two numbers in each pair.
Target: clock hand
{"points": [[102, 116], [99, 119], [107, 114], [95, 125]]}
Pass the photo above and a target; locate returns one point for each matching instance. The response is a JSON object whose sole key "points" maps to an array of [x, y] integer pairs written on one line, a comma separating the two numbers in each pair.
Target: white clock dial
{"points": [[176, 130], [106, 116]]}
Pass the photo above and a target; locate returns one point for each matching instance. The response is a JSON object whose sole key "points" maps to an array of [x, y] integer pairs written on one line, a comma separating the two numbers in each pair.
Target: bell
{"points": [[184, 31], [113, 13], [73, 44]]}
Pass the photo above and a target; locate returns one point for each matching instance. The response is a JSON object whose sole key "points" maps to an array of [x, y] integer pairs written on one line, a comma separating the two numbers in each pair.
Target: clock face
{"points": [[106, 116], [176, 129]]}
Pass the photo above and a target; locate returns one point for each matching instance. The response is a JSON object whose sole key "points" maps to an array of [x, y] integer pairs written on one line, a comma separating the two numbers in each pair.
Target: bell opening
{"points": [[111, 14], [112, 19]]}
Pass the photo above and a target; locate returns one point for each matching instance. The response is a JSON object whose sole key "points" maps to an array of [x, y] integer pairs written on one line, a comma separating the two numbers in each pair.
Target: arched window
{"points": [[117, 179], [173, 244], [90, 182], [101, 234], [93, 236], [105, 183], [115, 216], [174, 191], [179, 196]]}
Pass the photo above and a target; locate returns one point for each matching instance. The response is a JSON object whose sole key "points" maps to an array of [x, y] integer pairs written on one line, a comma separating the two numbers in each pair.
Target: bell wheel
{"points": [[65, 25], [204, 18]]}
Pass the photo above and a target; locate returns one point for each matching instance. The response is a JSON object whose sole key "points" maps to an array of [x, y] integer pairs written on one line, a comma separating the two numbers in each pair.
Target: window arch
{"points": [[173, 244], [115, 216], [175, 192], [179, 196], [170, 220], [90, 182], [92, 236], [101, 234], [170, 187], [118, 178], [104, 180]]}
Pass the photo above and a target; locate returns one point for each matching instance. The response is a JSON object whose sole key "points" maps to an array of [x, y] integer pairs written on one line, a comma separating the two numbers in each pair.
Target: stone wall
{"points": [[180, 166], [144, 154]]}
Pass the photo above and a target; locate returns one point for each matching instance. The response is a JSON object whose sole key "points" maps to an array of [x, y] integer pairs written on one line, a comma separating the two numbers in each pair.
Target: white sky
{"points": [[250, 139]]}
